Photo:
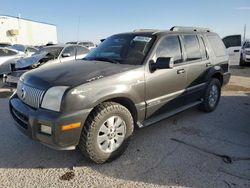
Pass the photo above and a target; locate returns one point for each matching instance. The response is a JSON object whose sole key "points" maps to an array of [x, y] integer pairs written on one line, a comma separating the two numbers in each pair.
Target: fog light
{"points": [[46, 129]]}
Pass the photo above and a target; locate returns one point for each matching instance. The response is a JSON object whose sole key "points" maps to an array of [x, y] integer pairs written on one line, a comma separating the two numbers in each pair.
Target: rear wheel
{"points": [[106, 133], [211, 96]]}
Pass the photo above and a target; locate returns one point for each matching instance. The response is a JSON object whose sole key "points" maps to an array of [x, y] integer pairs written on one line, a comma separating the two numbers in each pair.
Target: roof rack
{"points": [[146, 30], [198, 29]]}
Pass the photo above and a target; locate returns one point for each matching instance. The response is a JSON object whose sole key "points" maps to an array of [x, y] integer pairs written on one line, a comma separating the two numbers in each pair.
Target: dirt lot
{"points": [[183, 151]]}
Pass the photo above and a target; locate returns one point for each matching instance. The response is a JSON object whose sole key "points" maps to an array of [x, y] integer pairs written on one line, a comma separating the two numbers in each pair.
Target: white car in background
{"points": [[45, 56], [245, 54], [7, 54], [233, 45]]}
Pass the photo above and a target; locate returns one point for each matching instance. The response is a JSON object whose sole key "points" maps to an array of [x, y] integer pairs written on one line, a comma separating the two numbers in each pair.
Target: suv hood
{"points": [[71, 73]]}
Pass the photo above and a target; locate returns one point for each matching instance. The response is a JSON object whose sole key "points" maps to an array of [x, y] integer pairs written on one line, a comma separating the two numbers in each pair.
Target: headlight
{"points": [[53, 98]]}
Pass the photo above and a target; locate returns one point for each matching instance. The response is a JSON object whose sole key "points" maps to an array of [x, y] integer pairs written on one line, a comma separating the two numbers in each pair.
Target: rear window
{"points": [[217, 45], [192, 47]]}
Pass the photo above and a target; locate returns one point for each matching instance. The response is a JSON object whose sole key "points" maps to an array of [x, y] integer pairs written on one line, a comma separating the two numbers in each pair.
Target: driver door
{"points": [[165, 87]]}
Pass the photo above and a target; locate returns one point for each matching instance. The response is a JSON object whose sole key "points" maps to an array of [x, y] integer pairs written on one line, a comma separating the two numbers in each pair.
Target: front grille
{"points": [[29, 95], [247, 52]]}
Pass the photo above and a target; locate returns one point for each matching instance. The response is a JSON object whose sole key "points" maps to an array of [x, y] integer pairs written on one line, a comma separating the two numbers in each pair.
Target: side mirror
{"points": [[162, 63], [66, 55]]}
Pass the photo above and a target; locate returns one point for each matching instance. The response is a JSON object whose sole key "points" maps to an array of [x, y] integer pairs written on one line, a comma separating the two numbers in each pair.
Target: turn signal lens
{"points": [[71, 126]]}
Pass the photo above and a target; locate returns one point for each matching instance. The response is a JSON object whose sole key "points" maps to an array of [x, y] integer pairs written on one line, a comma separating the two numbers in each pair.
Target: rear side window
{"points": [[217, 45], [192, 47], [170, 47]]}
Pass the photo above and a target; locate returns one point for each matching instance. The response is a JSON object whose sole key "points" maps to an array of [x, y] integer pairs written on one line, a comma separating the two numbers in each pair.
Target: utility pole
{"points": [[244, 36]]}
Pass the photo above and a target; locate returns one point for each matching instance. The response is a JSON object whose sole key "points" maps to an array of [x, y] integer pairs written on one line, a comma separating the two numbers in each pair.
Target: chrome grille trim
{"points": [[33, 96]]}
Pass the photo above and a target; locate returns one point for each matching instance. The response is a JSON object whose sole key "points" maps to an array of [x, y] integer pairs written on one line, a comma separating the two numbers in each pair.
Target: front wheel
{"points": [[212, 96], [106, 133]]}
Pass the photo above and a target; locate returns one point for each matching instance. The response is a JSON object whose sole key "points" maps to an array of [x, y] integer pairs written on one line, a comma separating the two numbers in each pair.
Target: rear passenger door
{"points": [[197, 61]]}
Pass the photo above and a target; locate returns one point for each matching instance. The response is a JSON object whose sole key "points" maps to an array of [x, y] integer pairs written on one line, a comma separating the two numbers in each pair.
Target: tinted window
{"points": [[6, 52], [170, 47], [192, 47], [70, 50], [81, 50], [203, 48], [217, 45], [231, 41], [32, 50]]}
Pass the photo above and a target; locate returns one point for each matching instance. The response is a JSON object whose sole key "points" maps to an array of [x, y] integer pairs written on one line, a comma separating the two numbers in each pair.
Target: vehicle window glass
{"points": [[247, 45], [232, 41], [192, 47], [170, 47], [70, 50], [81, 50], [6, 52], [32, 50], [123, 48], [203, 50], [217, 45], [18, 47]]}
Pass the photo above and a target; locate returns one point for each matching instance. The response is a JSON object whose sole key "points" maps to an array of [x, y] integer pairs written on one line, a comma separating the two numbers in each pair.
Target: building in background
{"points": [[16, 30]]}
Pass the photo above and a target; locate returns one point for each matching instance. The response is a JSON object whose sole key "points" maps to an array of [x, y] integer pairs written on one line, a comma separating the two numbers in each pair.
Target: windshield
{"points": [[54, 51], [18, 47], [123, 49]]}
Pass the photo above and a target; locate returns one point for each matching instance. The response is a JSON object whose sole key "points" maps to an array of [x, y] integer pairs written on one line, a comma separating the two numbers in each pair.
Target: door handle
{"points": [[208, 65], [180, 71], [236, 50]]}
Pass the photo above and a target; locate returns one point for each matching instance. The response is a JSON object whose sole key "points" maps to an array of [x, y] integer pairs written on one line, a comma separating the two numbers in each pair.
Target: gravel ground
{"points": [[153, 158]]}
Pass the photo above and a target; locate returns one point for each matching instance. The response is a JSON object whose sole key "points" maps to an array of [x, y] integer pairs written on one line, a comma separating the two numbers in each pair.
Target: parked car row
{"points": [[47, 55], [17, 59]]}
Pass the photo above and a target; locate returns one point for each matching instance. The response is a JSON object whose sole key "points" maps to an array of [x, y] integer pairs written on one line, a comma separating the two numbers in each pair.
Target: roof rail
{"points": [[198, 29], [146, 30]]}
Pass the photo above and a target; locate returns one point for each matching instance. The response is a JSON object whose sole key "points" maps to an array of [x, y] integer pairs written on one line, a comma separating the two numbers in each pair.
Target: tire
{"points": [[213, 89], [95, 131]]}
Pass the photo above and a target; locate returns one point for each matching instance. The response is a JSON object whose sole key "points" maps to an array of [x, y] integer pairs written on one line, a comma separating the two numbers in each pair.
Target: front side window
{"points": [[123, 49], [69, 50], [170, 47], [192, 47]]}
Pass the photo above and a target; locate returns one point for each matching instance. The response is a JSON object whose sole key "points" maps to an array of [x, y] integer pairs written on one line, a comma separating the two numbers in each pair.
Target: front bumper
{"points": [[29, 120], [246, 58]]}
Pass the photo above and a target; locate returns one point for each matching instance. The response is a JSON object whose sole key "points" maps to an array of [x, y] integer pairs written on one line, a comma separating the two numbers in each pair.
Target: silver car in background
{"points": [[47, 55]]}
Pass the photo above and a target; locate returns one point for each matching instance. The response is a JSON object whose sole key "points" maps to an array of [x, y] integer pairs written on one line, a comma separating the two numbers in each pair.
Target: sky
{"points": [[98, 19]]}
